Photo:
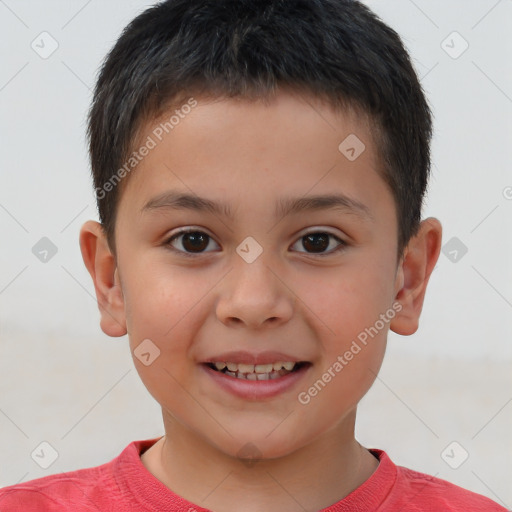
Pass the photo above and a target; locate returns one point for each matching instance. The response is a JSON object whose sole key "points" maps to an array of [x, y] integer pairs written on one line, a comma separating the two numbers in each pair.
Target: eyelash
{"points": [[342, 244]]}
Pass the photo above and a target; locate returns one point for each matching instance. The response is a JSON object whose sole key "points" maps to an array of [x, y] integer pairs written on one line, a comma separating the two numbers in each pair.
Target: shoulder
{"points": [[55, 492], [431, 493], [82, 490]]}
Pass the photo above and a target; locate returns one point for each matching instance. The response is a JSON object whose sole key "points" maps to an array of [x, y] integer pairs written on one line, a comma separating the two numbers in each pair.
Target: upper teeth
{"points": [[258, 368]]}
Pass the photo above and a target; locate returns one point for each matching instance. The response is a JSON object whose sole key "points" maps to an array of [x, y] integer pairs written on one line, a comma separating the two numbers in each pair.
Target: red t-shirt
{"points": [[125, 485]]}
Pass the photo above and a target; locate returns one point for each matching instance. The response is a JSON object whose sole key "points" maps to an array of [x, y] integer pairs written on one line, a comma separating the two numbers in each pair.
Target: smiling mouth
{"points": [[268, 371]]}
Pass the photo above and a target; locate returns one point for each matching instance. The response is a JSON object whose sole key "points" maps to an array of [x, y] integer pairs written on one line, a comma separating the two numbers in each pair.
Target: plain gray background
{"points": [[62, 381]]}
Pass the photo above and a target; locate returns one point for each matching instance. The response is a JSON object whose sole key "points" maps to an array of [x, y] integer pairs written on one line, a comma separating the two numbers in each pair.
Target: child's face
{"points": [[305, 305]]}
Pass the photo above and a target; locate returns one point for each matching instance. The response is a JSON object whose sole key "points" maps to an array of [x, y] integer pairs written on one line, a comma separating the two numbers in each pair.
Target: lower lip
{"points": [[257, 389]]}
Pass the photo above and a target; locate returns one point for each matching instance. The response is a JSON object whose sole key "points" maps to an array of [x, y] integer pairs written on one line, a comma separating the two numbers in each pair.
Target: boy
{"points": [[259, 170]]}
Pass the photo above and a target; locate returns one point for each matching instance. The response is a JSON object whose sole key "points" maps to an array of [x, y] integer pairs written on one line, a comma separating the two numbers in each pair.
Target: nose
{"points": [[254, 295]]}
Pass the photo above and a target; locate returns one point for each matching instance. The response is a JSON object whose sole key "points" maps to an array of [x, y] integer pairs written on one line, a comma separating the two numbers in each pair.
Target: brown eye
{"points": [[195, 241], [192, 242], [316, 242], [319, 242]]}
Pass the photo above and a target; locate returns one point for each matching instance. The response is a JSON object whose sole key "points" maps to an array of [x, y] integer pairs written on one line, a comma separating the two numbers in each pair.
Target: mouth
{"points": [[258, 372]]}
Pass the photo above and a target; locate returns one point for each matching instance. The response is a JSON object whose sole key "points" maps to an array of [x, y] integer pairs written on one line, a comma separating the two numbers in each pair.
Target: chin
{"points": [[249, 450]]}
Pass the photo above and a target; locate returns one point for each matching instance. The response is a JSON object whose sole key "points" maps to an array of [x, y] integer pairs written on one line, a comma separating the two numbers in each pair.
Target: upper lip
{"points": [[244, 357]]}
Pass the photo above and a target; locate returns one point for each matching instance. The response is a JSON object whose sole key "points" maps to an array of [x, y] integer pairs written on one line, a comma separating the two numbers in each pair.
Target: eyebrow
{"points": [[175, 200]]}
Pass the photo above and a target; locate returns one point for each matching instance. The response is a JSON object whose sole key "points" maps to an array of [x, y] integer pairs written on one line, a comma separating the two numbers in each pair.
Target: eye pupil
{"points": [[195, 240], [317, 241]]}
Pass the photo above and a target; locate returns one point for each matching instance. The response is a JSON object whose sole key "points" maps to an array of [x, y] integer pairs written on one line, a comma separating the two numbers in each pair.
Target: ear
{"points": [[416, 266], [101, 264]]}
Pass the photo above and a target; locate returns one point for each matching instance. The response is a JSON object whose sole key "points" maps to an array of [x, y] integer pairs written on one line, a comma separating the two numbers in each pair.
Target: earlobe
{"points": [[415, 269], [101, 264]]}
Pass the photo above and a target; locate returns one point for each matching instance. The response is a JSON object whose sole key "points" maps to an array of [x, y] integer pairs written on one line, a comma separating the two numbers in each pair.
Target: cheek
{"points": [[163, 301], [346, 300], [166, 307]]}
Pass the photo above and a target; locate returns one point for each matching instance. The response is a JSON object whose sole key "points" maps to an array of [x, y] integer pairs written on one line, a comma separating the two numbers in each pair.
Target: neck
{"points": [[311, 478]]}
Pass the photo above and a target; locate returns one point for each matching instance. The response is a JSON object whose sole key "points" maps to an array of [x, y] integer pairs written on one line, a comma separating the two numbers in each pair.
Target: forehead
{"points": [[231, 147]]}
